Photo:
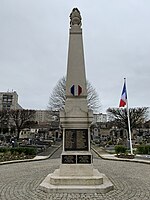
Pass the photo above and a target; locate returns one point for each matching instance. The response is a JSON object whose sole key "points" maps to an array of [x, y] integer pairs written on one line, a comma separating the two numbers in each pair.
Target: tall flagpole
{"points": [[128, 115]]}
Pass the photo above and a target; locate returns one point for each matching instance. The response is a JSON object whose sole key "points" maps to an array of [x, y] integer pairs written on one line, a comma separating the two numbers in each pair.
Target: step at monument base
{"points": [[97, 183]]}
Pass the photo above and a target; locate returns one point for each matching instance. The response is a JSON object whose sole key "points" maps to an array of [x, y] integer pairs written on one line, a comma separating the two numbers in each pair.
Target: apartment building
{"points": [[9, 100], [46, 116]]}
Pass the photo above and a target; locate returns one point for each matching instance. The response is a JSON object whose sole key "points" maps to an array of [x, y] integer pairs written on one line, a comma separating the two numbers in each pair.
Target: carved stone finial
{"points": [[75, 17]]}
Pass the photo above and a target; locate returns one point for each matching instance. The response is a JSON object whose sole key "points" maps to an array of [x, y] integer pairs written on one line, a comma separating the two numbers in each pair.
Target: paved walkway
{"points": [[107, 156], [20, 181]]}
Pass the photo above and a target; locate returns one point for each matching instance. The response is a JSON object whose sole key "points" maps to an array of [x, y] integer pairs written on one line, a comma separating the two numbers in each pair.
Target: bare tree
{"points": [[57, 98], [4, 119], [92, 97], [119, 117], [3, 114], [20, 117]]}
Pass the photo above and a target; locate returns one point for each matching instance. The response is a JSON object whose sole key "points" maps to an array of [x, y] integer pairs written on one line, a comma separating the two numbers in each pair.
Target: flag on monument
{"points": [[76, 90], [123, 100]]}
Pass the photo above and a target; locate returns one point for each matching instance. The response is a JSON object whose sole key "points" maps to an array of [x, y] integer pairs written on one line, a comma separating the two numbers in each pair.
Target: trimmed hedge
{"points": [[120, 149], [143, 149], [20, 150], [3, 150]]}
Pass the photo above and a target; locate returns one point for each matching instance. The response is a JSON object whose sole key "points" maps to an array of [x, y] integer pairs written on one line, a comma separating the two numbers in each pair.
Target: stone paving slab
{"points": [[20, 181]]}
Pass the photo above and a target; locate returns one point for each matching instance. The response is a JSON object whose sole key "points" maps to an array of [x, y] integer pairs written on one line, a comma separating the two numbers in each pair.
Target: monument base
{"points": [[96, 183]]}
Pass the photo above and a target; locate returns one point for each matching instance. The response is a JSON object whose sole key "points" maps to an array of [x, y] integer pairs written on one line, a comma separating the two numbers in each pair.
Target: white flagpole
{"points": [[128, 115]]}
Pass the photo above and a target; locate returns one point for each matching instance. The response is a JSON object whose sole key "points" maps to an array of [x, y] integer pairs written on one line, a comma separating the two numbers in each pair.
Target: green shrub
{"points": [[110, 142], [19, 150], [3, 150], [30, 151], [143, 149], [12, 150], [25, 150], [120, 149]]}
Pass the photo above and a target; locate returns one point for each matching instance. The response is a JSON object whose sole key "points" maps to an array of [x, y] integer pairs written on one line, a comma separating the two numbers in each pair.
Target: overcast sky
{"points": [[34, 45]]}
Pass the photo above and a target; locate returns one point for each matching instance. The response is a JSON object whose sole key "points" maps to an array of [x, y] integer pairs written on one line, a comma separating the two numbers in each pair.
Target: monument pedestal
{"points": [[76, 164], [96, 183], [76, 177]]}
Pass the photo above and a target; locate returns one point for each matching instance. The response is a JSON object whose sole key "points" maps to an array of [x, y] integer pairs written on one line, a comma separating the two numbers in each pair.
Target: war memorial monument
{"points": [[76, 173]]}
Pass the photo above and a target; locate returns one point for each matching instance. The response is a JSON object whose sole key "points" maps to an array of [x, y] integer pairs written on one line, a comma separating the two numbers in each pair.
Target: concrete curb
{"points": [[120, 159], [31, 160]]}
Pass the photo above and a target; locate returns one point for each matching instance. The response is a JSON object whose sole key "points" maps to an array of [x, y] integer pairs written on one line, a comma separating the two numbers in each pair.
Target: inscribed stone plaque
{"points": [[68, 159], [76, 140], [69, 140], [84, 159]]}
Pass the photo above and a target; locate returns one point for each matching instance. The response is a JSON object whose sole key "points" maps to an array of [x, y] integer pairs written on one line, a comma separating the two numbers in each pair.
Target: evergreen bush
{"points": [[20, 150], [143, 149], [3, 150], [120, 149]]}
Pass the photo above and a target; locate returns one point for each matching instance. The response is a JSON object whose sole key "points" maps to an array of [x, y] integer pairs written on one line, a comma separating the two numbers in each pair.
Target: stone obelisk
{"points": [[76, 118], [76, 172]]}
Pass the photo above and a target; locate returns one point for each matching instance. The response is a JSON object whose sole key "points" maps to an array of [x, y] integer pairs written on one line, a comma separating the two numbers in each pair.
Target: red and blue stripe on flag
{"points": [[76, 90]]}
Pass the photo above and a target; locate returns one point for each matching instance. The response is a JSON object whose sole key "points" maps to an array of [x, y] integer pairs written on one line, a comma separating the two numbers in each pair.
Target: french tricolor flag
{"points": [[76, 90], [123, 100]]}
